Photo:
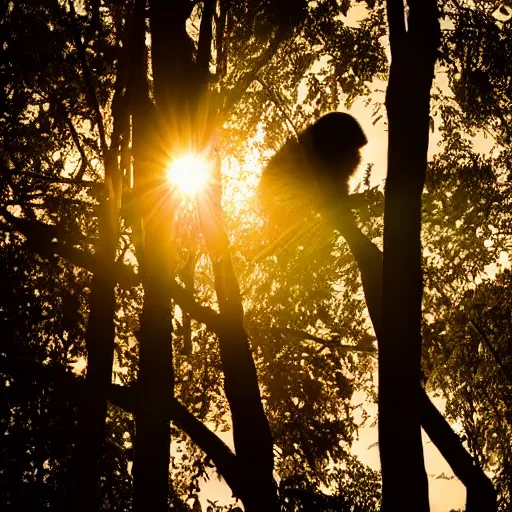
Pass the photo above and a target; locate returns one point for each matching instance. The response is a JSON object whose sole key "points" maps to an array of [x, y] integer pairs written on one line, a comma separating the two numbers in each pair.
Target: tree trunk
{"points": [[100, 335], [413, 52], [251, 430], [156, 387], [155, 375], [100, 356]]}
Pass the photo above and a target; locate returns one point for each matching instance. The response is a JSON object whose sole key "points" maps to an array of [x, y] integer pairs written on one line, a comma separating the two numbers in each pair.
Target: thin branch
{"points": [[91, 92], [273, 96], [488, 344], [119, 143], [61, 109], [243, 84], [138, 87], [457, 5], [126, 245], [220, 47], [200, 313], [334, 342], [65, 181]]}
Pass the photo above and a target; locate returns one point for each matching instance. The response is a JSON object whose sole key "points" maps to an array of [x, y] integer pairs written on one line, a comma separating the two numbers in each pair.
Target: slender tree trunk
{"points": [[413, 53], [100, 356], [251, 430], [155, 375], [100, 335], [155, 391]]}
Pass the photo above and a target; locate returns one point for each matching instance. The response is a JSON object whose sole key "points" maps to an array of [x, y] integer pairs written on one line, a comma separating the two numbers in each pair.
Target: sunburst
{"points": [[189, 174]]}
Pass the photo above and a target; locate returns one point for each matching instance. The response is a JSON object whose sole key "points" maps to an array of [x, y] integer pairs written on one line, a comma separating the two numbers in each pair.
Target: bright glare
{"points": [[189, 173]]}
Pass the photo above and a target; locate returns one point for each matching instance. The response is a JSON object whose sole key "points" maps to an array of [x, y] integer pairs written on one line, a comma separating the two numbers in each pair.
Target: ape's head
{"points": [[312, 173], [332, 146]]}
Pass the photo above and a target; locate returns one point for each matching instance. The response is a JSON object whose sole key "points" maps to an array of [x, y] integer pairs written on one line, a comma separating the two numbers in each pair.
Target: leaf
{"points": [[376, 120]]}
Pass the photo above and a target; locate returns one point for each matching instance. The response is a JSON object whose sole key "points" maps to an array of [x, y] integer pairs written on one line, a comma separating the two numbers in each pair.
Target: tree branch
{"points": [[234, 96], [40, 237], [492, 350], [126, 398], [61, 109], [39, 231], [220, 47], [224, 459], [334, 342], [89, 85], [64, 181], [480, 492], [274, 97]]}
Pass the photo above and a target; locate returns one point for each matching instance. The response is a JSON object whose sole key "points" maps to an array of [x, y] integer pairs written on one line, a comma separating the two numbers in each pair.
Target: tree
{"points": [[413, 55]]}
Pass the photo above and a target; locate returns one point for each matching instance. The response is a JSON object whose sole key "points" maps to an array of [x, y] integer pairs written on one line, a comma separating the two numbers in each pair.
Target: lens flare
{"points": [[189, 174]]}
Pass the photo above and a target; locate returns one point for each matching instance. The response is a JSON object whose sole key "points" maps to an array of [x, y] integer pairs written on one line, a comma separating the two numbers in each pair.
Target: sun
{"points": [[189, 174]]}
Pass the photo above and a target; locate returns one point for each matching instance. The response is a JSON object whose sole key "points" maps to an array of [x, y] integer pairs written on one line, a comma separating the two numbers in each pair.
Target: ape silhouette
{"points": [[311, 173]]}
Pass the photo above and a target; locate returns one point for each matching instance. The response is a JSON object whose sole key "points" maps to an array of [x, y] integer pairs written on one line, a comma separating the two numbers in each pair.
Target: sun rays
{"points": [[189, 174]]}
